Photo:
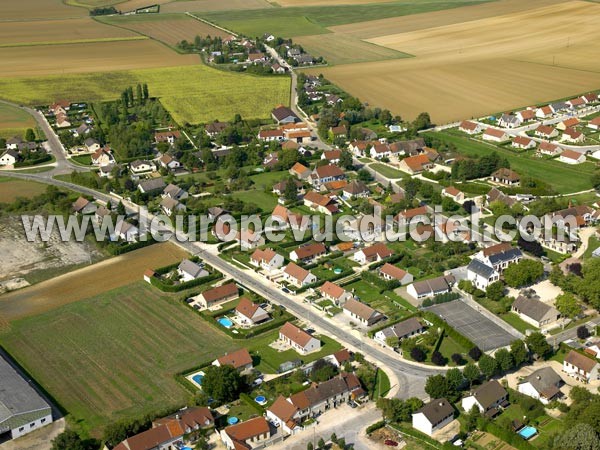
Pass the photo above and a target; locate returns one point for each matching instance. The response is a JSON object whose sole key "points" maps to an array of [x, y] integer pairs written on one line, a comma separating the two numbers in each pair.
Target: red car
{"points": [[391, 443]]}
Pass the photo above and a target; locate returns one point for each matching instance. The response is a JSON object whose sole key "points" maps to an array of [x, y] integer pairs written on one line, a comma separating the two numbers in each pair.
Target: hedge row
{"points": [[183, 286], [33, 162], [382, 284], [316, 284], [507, 436], [421, 436], [451, 332], [375, 426], [121, 249]]}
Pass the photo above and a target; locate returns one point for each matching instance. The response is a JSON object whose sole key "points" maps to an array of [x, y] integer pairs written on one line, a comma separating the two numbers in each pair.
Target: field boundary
{"points": [[75, 41]]}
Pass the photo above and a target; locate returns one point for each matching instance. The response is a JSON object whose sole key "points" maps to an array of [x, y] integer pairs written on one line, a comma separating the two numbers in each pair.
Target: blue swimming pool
{"points": [[233, 420], [227, 323], [198, 378], [260, 399], [527, 432]]}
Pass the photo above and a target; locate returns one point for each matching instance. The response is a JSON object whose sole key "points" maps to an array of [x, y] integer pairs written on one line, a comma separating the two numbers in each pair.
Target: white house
{"points": [[430, 288], [543, 385], [361, 312], [189, 271], [285, 415], [171, 206], [249, 434], [509, 121], [298, 339], [466, 126], [138, 166], [495, 135], [91, 145], [580, 367], [571, 157], [168, 162], [523, 143], [535, 312], [335, 293], [240, 360], [488, 398], [402, 330], [454, 194], [126, 231], [373, 253], [249, 240], [266, 259], [250, 313], [297, 275], [572, 135], [390, 272], [9, 158], [481, 275], [433, 416]]}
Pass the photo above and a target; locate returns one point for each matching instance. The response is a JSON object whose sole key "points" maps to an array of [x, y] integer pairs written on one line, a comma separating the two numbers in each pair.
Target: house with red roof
{"points": [[253, 433], [240, 360], [373, 253], [523, 142], [466, 126], [249, 313], [298, 339], [453, 193], [415, 164], [495, 135], [390, 272], [571, 157], [335, 293], [267, 259]]}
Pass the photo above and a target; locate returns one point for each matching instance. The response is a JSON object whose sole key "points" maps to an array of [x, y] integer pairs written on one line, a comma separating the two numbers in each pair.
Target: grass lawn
{"points": [[387, 171], [563, 177], [382, 385], [265, 201], [14, 121], [268, 179], [115, 355], [11, 188], [84, 160], [593, 244], [193, 94], [517, 323], [449, 347]]}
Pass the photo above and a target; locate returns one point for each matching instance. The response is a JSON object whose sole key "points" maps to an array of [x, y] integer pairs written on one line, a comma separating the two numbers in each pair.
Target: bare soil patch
{"points": [[39, 9], [213, 5]]}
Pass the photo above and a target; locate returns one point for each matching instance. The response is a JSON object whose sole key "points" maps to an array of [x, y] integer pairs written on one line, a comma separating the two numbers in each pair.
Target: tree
{"points": [[364, 175], [458, 359], [495, 291], [145, 91], [322, 371], [472, 418], [68, 440], [436, 386], [583, 332], [29, 135], [222, 383], [346, 160], [488, 366], [580, 437], [202, 444], [309, 446], [589, 290], [455, 379], [567, 305], [504, 359], [121, 209], [139, 94], [321, 443], [438, 359], [537, 344], [523, 273], [290, 192], [418, 354], [519, 352], [475, 353], [471, 373]]}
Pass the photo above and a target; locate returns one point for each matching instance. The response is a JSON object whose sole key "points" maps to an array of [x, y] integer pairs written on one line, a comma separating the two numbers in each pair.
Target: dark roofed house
{"points": [[308, 253], [433, 416], [543, 384], [534, 311], [154, 184], [22, 409], [189, 271], [214, 128], [218, 294], [581, 367], [283, 114], [362, 312], [489, 398], [401, 330], [481, 274], [432, 287], [356, 189], [506, 176]]}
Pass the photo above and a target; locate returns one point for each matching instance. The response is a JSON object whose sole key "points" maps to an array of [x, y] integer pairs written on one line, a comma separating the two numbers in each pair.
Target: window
{"points": [[22, 428], [43, 420]]}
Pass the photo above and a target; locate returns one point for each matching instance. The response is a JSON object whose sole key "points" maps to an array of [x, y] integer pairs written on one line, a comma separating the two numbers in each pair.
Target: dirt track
{"points": [[86, 282]]}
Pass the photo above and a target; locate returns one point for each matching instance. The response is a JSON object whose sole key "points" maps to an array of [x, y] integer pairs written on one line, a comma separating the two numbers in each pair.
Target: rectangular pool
{"points": [[527, 432]]}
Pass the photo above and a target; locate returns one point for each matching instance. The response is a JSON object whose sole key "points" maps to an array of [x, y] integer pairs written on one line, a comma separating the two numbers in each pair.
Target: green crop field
{"points": [[387, 171], [307, 20], [562, 177], [192, 94], [14, 121], [114, 355]]}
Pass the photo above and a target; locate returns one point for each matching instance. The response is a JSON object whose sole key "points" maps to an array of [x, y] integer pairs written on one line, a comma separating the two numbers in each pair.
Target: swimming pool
{"points": [[227, 323], [198, 378], [233, 420], [527, 432], [261, 400]]}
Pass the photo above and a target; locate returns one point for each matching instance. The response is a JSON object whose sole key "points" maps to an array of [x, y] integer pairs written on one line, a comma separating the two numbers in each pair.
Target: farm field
{"points": [[309, 20], [192, 94], [212, 5], [11, 188], [90, 57], [454, 75], [115, 355], [339, 48], [564, 178], [130, 5], [83, 283], [39, 9], [14, 121], [167, 28], [48, 31]]}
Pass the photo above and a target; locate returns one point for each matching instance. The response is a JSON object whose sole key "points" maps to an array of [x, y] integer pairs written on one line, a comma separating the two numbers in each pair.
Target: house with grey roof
{"points": [[432, 287], [363, 313], [543, 384], [402, 330], [509, 121], [189, 271], [22, 409], [481, 275], [535, 312], [488, 398], [433, 416], [154, 184]]}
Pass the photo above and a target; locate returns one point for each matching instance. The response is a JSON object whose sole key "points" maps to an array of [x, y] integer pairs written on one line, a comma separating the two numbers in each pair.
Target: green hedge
{"points": [[451, 332], [510, 437], [121, 249], [33, 162], [251, 403], [382, 284], [375, 426], [183, 286]]}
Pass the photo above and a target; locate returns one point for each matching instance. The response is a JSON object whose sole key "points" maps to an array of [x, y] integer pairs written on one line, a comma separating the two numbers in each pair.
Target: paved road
{"points": [[571, 333]]}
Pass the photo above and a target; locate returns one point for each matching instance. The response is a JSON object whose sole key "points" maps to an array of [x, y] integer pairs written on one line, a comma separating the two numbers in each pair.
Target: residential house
{"points": [[285, 415], [192, 419], [454, 194], [101, 213], [13, 143], [380, 150], [495, 135], [214, 212], [590, 98], [415, 164], [576, 102], [283, 114], [308, 253], [298, 276], [171, 206], [500, 256], [581, 367], [558, 107], [374, 253], [322, 203], [526, 115], [543, 112], [277, 68], [300, 171], [151, 185], [546, 132], [335, 293], [488, 398], [126, 231], [220, 294], [433, 416], [325, 174], [341, 357], [298, 339], [138, 166], [413, 215], [432, 287], [298, 136], [583, 216], [161, 437], [252, 433], [481, 274], [573, 135], [249, 240], [62, 121], [496, 195], [549, 149], [168, 162], [167, 136], [543, 385], [361, 312], [250, 313], [91, 145], [523, 143], [509, 121], [594, 124], [213, 129], [569, 123], [338, 132], [266, 259], [401, 330], [240, 360], [174, 192], [189, 271], [535, 312], [279, 188], [466, 126], [356, 189], [283, 218], [506, 176], [256, 57], [392, 273], [332, 156], [84, 206], [271, 135], [572, 157], [9, 158]]}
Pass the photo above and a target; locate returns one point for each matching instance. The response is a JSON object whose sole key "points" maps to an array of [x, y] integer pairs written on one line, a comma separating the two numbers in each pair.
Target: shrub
{"points": [[418, 354], [475, 353], [438, 359], [583, 332], [458, 359]]}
